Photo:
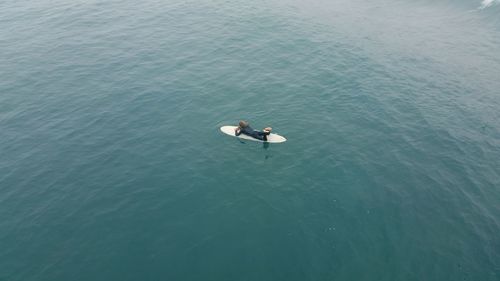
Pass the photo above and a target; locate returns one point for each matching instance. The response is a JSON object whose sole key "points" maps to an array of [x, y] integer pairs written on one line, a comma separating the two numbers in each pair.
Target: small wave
{"points": [[487, 3]]}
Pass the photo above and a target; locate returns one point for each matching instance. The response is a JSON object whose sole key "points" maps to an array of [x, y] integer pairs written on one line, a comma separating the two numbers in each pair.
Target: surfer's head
{"points": [[243, 124]]}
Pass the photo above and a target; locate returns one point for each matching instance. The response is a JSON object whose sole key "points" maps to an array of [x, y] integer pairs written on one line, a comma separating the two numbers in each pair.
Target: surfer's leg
{"points": [[263, 135]]}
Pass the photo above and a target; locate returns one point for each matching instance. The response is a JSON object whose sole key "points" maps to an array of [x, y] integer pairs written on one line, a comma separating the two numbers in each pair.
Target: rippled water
{"points": [[112, 166]]}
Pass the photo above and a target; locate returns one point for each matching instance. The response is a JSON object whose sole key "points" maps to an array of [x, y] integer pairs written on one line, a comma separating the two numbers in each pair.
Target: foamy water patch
{"points": [[488, 3]]}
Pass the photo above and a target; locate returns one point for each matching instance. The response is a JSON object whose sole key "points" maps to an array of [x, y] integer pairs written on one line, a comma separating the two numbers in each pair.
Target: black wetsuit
{"points": [[253, 133]]}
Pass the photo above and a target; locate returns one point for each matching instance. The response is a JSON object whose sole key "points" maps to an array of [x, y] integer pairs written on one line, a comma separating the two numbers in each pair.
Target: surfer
{"points": [[244, 128]]}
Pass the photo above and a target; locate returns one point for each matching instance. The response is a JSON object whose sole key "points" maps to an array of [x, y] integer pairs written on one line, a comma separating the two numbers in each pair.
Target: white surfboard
{"points": [[272, 138]]}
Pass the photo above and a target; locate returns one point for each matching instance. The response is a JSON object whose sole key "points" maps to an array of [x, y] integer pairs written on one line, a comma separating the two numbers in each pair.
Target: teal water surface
{"points": [[112, 165]]}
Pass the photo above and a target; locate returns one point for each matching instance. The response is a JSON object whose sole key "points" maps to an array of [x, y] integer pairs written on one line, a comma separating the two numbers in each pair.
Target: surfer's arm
{"points": [[237, 131]]}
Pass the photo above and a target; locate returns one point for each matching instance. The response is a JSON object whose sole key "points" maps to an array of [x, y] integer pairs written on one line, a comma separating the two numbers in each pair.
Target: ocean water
{"points": [[112, 166]]}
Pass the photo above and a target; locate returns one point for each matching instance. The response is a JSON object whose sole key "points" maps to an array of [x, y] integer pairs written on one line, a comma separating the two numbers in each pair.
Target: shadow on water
{"points": [[265, 146]]}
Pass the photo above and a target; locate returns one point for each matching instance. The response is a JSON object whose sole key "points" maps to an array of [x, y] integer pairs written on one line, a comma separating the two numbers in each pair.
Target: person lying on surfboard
{"points": [[244, 128]]}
